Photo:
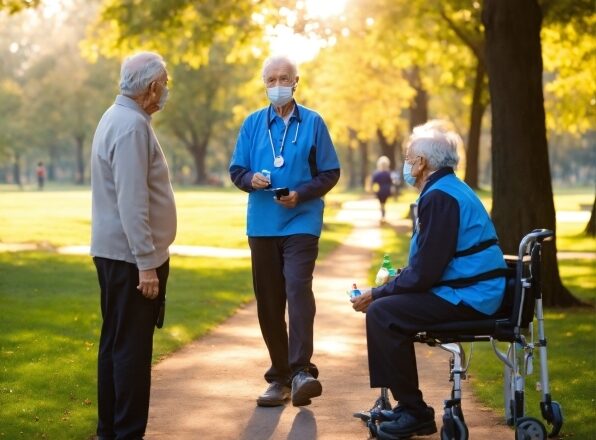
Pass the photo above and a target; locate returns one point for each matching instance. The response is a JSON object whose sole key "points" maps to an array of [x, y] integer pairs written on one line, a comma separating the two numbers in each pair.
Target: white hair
{"points": [[138, 71], [280, 59], [437, 142], [383, 163]]}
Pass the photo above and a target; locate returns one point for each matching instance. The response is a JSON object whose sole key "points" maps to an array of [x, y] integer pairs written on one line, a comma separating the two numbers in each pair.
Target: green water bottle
{"points": [[384, 271], [392, 271], [387, 262]]}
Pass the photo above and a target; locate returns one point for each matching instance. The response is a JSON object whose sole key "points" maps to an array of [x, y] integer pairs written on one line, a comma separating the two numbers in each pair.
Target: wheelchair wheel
{"points": [[529, 428], [461, 430], [448, 428], [445, 435], [557, 419], [457, 412], [454, 427]]}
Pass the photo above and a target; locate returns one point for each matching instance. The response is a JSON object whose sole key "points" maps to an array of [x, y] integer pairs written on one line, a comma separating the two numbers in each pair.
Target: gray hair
{"points": [[138, 71], [280, 59], [437, 142], [383, 163]]}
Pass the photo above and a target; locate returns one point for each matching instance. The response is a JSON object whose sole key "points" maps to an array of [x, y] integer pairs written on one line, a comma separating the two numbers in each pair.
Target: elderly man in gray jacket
{"points": [[133, 225]]}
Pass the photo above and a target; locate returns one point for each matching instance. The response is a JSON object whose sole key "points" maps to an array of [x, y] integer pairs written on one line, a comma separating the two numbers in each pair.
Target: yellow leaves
{"points": [[568, 53]]}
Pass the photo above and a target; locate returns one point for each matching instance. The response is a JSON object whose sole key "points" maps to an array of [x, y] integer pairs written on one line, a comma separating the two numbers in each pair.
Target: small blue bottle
{"points": [[355, 291]]}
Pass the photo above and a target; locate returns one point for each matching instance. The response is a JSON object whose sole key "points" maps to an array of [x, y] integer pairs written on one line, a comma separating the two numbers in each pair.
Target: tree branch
{"points": [[475, 46]]}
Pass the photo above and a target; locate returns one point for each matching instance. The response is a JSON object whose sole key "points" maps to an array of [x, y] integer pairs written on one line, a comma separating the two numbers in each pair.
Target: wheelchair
{"points": [[512, 324]]}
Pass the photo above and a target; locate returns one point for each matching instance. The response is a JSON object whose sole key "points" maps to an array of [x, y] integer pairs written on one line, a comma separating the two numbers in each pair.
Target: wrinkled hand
{"points": [[148, 283], [360, 303], [289, 201], [259, 181]]}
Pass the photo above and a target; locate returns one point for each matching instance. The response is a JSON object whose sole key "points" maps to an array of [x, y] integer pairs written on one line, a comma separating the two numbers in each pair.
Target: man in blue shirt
{"points": [[285, 159], [454, 273]]}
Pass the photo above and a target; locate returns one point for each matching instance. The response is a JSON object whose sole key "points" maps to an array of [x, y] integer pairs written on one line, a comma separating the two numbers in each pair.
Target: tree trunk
{"points": [[198, 152], [388, 148], [477, 112], [591, 226], [419, 105], [364, 171], [16, 170], [80, 174], [52, 162], [352, 146], [522, 191], [352, 180]]}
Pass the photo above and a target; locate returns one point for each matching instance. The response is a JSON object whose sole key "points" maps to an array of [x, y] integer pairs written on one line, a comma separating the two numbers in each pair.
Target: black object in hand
{"points": [[161, 313], [281, 192]]}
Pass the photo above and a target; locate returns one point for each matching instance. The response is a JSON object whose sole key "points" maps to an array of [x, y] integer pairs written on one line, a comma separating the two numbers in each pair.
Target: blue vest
{"points": [[475, 227]]}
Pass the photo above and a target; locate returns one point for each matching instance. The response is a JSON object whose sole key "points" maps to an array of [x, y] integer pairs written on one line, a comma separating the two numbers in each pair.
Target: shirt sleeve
{"points": [[326, 156], [324, 167], [239, 169], [130, 165], [318, 186], [438, 227]]}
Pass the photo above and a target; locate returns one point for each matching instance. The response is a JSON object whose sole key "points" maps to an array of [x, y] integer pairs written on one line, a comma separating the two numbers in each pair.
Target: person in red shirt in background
{"points": [[41, 175]]}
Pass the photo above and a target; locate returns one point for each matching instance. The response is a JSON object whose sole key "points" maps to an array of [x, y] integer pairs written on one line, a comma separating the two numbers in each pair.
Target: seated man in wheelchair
{"points": [[454, 273]]}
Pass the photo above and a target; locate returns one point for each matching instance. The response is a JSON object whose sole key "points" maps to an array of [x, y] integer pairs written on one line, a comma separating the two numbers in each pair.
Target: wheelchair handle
{"points": [[537, 235]]}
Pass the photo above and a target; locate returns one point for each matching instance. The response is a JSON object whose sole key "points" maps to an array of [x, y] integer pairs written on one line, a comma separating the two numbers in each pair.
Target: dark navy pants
{"points": [[282, 269], [125, 349], [391, 323]]}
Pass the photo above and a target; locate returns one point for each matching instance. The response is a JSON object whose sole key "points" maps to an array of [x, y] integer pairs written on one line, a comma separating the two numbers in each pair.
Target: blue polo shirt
{"points": [[307, 151]]}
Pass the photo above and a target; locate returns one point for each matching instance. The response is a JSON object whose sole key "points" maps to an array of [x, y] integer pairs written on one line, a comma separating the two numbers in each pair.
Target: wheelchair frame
{"points": [[524, 294]]}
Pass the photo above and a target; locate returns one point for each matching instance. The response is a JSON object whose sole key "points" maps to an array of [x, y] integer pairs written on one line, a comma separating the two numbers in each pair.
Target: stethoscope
{"points": [[278, 159]]}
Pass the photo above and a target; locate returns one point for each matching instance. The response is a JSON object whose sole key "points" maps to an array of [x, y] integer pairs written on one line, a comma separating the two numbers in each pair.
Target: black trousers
{"points": [[282, 270], [391, 323], [125, 349]]}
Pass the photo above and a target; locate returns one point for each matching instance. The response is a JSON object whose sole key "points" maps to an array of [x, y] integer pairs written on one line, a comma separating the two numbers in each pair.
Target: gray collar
{"points": [[125, 101]]}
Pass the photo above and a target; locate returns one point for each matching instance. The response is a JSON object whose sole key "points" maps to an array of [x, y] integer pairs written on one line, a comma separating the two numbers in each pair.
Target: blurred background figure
{"points": [[382, 183], [41, 175], [396, 179]]}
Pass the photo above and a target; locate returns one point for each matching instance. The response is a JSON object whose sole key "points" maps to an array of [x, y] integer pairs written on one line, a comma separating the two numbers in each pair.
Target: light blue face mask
{"points": [[163, 98], [280, 95], [407, 174]]}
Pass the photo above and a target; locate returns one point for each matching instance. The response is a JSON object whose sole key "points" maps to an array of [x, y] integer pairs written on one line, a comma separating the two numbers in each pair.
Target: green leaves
{"points": [[180, 30]]}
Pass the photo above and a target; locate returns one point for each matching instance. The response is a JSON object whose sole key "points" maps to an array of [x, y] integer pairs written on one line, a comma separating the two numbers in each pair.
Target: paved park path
{"points": [[207, 390]]}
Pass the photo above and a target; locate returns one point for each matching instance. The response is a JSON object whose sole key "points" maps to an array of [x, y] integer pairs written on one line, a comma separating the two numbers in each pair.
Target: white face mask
{"points": [[280, 95], [163, 98]]}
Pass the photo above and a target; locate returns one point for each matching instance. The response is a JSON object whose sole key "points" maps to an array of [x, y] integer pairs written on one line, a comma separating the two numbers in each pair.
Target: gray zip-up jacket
{"points": [[133, 209]]}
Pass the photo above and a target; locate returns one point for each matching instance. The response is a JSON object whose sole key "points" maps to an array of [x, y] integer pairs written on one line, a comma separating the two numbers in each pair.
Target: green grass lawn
{"points": [[571, 333], [50, 302], [50, 330], [62, 216]]}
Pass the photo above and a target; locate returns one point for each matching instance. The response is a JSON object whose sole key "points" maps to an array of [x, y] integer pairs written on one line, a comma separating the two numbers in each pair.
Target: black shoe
{"points": [[408, 424], [276, 394], [389, 415], [304, 388]]}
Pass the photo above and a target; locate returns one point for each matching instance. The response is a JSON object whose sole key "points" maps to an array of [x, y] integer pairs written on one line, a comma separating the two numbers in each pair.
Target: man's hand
{"points": [[289, 201], [259, 181], [360, 303], [148, 283]]}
